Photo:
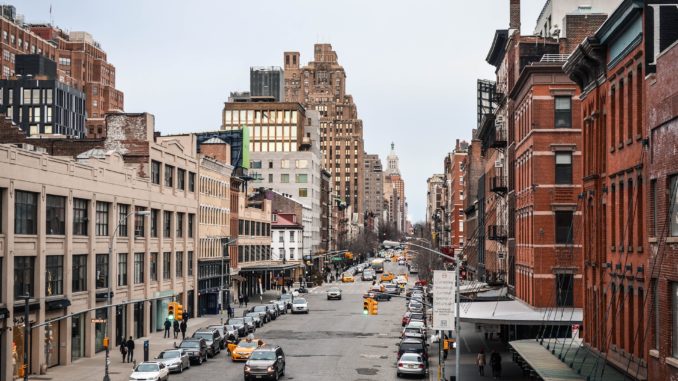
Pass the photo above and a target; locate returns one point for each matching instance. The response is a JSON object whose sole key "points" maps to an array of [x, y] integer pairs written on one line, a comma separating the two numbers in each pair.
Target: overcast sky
{"points": [[411, 65]]}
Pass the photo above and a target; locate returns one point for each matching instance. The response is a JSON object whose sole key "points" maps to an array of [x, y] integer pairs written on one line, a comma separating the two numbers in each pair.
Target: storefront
{"points": [[100, 329], [78, 336], [138, 327], [52, 340], [120, 323]]}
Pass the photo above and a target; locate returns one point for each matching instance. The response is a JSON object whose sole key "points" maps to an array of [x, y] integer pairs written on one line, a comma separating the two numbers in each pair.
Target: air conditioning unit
{"points": [[499, 119], [500, 255], [498, 164]]}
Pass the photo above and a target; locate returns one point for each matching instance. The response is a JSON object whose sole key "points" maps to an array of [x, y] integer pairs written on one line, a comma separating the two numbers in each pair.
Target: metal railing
{"points": [[554, 58]]}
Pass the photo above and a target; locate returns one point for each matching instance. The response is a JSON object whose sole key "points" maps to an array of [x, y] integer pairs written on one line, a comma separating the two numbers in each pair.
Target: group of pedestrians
{"points": [[495, 363], [243, 299], [127, 349], [178, 328]]}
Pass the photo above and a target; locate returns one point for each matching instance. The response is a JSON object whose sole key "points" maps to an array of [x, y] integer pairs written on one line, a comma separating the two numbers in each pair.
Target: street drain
{"points": [[367, 371]]}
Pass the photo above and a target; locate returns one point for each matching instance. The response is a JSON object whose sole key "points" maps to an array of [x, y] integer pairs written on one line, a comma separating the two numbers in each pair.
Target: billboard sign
{"points": [[443, 300]]}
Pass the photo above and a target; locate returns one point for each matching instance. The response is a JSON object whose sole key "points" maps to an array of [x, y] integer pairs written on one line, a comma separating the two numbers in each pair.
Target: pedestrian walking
{"points": [[123, 349], [130, 349], [241, 299], [495, 364], [183, 327], [231, 312], [246, 299], [176, 329], [480, 362], [168, 325], [185, 316]]}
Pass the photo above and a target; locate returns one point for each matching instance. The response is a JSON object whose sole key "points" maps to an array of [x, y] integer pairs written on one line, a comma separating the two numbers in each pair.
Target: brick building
{"points": [[321, 86], [453, 187], [609, 68], [473, 246]]}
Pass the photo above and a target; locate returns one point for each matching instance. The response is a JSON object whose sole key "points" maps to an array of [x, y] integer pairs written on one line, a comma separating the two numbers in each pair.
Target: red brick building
{"points": [[547, 139], [661, 336], [609, 69], [454, 197]]}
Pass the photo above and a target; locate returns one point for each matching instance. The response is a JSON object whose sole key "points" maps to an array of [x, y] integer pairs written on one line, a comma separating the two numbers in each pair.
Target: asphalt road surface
{"points": [[335, 341]]}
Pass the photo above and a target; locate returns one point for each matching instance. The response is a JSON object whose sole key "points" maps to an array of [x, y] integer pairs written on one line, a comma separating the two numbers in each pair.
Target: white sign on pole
{"points": [[443, 300]]}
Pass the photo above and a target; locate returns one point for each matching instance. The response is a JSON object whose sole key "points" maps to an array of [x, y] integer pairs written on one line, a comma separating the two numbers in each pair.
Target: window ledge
{"points": [[672, 361], [629, 141], [652, 240], [672, 239], [654, 353], [612, 149], [620, 145]]}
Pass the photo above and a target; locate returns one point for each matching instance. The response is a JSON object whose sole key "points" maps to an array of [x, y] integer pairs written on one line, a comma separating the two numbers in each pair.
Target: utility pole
{"points": [[225, 242]]}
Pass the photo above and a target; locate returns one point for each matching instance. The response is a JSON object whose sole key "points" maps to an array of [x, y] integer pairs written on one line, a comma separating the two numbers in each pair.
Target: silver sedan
{"points": [[411, 364], [176, 360]]}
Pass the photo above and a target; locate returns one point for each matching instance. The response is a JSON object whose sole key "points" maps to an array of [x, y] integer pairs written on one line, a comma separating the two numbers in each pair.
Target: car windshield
{"points": [[333, 289], [285, 296], [248, 344], [169, 355], [190, 344], [147, 367], [299, 301], [263, 355], [260, 308], [253, 315], [411, 347], [203, 335], [238, 321], [410, 357]]}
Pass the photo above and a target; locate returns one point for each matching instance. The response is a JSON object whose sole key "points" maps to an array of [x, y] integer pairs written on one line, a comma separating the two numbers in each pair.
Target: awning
{"points": [[514, 312], [4, 313], [271, 267], [57, 304]]}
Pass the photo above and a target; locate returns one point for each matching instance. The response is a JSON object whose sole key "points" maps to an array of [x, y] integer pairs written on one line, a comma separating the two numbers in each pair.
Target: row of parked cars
{"points": [[413, 356]]}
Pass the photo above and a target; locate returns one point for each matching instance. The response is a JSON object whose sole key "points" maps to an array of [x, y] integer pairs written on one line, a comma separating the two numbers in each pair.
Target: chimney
{"points": [[514, 15]]}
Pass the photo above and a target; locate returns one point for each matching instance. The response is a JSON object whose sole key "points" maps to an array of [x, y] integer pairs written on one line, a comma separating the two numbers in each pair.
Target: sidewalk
{"points": [[92, 368]]}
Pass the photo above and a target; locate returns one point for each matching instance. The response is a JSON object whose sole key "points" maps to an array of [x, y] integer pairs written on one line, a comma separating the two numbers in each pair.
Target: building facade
{"points": [[61, 216], [267, 82], [394, 192], [434, 204], [321, 86], [374, 188], [453, 191]]}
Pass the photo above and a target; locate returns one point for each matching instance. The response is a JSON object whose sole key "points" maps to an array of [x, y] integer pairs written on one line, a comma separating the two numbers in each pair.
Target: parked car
{"points": [[412, 345], [176, 360], [265, 362], [150, 370], [417, 324], [239, 324], [196, 349], [333, 293], [262, 308], [212, 339], [274, 310], [249, 323], [414, 332], [230, 330], [415, 306], [411, 364], [258, 323], [222, 332], [300, 305], [281, 306], [287, 298]]}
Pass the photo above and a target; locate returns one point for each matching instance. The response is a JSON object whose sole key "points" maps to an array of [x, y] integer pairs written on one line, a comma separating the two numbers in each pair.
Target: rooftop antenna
{"points": [[51, 19]]}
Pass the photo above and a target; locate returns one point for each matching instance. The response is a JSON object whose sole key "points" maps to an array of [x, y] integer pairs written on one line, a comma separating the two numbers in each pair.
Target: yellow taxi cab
{"points": [[244, 349], [347, 278], [387, 277]]}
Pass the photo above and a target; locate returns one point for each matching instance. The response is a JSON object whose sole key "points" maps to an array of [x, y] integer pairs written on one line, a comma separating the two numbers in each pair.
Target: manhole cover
{"points": [[367, 371]]}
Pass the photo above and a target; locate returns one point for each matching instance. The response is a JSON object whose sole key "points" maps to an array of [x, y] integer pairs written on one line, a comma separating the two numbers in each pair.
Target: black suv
{"points": [[196, 350], [212, 338], [239, 324], [266, 362]]}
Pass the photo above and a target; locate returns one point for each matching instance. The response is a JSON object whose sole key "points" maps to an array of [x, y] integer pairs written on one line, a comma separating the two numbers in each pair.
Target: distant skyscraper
{"points": [[374, 189], [394, 191], [267, 81], [321, 85]]}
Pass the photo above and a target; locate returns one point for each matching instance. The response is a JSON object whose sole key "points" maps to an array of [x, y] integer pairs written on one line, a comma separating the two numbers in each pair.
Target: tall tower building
{"points": [[267, 81], [374, 188], [321, 86], [394, 191]]}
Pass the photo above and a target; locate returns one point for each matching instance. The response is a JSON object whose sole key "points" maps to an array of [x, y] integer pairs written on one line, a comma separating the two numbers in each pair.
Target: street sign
{"points": [[443, 300], [102, 321]]}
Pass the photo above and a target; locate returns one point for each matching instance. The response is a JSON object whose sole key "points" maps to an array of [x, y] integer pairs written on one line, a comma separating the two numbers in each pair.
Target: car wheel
{"points": [[276, 377], [181, 368], [398, 374], [200, 360], [282, 373]]}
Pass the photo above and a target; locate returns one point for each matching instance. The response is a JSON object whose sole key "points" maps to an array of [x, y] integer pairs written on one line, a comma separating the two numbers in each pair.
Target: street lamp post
{"points": [[109, 296], [225, 242]]}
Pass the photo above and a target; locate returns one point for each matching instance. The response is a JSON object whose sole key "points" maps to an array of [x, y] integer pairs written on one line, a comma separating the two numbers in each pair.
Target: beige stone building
{"points": [[60, 214]]}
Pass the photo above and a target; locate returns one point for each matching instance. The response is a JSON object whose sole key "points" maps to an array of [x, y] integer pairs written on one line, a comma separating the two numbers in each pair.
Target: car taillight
{"points": [[400, 364], [421, 366]]}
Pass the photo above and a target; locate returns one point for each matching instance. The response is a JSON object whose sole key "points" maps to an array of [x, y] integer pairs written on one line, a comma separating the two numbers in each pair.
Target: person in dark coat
{"points": [[123, 349], [495, 364], [176, 329], [241, 300], [183, 326], [246, 299], [130, 349], [185, 316], [168, 325]]}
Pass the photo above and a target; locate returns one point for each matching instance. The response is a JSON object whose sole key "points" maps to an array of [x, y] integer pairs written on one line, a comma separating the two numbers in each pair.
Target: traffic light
{"points": [[170, 310], [366, 306], [105, 342], [373, 307], [178, 311]]}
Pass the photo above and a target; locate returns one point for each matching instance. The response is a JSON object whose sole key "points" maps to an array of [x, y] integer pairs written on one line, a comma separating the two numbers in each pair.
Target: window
{"points": [[155, 172], [56, 215], [25, 213], [255, 164], [55, 275], [674, 313], [302, 163], [166, 265], [281, 252], [270, 177], [139, 223], [191, 218], [79, 216], [303, 192], [291, 235], [180, 225], [101, 271], [564, 290], [281, 236], [79, 273], [154, 222], [302, 178], [291, 253], [154, 266], [181, 178], [191, 182], [564, 227], [563, 112], [24, 276], [122, 269], [169, 175], [563, 168], [102, 218], [284, 163], [167, 224], [284, 178], [123, 211], [138, 268], [270, 164], [179, 268], [190, 263], [673, 207]]}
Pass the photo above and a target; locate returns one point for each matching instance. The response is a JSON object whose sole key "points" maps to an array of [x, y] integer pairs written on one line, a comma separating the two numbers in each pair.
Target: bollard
{"points": [[146, 345]]}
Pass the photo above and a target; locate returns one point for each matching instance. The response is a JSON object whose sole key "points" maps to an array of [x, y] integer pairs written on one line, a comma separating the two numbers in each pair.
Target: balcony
{"points": [[498, 139], [497, 233], [498, 184]]}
